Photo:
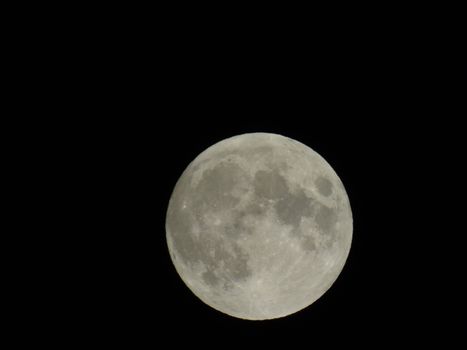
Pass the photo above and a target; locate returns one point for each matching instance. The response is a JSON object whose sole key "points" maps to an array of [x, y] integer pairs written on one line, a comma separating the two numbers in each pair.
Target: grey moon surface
{"points": [[259, 226]]}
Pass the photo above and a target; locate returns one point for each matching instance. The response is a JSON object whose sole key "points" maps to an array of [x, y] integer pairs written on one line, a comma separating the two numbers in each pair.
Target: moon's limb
{"points": [[259, 226]]}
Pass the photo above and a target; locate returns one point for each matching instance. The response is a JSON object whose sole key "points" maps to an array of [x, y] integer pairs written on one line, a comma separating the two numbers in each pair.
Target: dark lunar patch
{"points": [[237, 265], [324, 186], [237, 225], [227, 285], [329, 241], [326, 218], [254, 208], [210, 278], [233, 230], [269, 185], [292, 207], [308, 243], [215, 188]]}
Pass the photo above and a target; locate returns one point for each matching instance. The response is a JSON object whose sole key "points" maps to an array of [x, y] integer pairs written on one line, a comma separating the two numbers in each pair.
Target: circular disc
{"points": [[259, 226]]}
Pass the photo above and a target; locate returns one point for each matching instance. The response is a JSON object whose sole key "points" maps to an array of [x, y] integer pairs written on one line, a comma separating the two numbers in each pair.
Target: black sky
{"points": [[369, 102]]}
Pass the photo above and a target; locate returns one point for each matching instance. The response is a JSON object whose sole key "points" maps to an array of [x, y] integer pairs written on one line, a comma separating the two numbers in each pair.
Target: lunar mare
{"points": [[259, 226]]}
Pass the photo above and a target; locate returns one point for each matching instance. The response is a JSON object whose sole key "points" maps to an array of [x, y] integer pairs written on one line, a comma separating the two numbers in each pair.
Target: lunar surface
{"points": [[259, 226]]}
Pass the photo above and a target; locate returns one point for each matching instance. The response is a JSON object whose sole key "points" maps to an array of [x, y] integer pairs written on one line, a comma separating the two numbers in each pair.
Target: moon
{"points": [[259, 226]]}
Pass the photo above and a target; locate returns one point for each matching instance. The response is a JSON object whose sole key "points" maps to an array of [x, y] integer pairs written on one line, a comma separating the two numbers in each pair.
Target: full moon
{"points": [[259, 226]]}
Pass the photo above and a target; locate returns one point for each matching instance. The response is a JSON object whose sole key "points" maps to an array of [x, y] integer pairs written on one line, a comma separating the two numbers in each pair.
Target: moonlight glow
{"points": [[259, 226]]}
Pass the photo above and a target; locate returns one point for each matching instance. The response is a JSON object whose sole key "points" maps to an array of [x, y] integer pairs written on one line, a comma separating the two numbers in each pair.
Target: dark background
{"points": [[135, 101], [373, 144]]}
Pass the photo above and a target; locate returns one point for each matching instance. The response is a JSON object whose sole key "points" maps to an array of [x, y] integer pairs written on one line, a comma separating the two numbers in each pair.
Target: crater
{"points": [[324, 186], [269, 185]]}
